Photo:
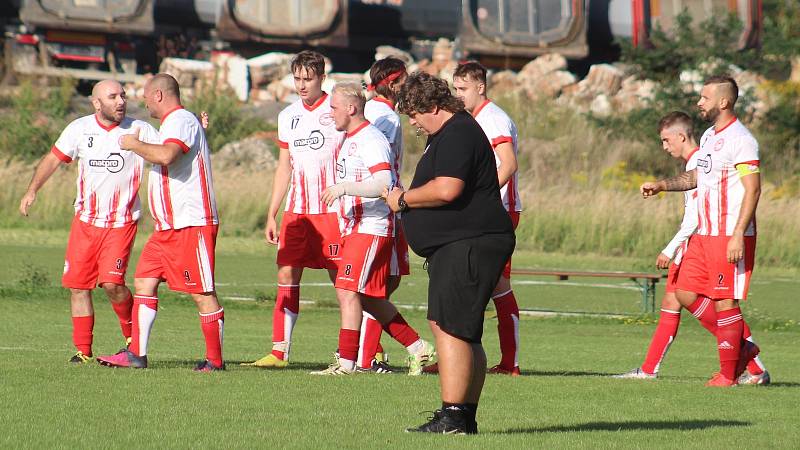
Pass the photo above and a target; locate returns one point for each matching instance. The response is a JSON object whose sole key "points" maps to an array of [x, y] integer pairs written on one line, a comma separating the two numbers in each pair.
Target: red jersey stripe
{"points": [[500, 140], [283, 145], [184, 148], [60, 155], [723, 203], [379, 167], [480, 107], [166, 195], [201, 167]]}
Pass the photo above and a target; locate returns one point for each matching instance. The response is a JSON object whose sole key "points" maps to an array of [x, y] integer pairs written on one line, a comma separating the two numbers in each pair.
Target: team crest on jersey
{"points": [[705, 163], [352, 149], [326, 119], [114, 163], [314, 141], [718, 145]]}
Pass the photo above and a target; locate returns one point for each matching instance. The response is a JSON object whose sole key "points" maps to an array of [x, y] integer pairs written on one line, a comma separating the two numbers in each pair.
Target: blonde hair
{"points": [[352, 91]]}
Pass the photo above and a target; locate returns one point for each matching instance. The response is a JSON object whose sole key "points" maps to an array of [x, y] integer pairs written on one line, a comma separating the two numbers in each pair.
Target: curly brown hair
{"points": [[422, 92]]}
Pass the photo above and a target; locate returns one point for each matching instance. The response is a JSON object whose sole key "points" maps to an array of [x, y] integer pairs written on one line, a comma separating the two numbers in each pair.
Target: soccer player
{"points": [[181, 249], [469, 81], [363, 173], [720, 257], [677, 138], [309, 233], [106, 209], [386, 76]]}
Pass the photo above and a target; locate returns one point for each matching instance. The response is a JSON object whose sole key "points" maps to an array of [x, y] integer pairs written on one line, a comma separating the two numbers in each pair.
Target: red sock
{"points": [[729, 340], [754, 366], [82, 333], [665, 333], [508, 329], [703, 310], [287, 307], [124, 310], [401, 331], [213, 325], [143, 315], [369, 342], [348, 344]]}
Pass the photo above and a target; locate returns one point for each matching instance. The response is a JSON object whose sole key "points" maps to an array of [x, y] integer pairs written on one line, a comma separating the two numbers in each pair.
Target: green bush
{"points": [[36, 120], [227, 120]]}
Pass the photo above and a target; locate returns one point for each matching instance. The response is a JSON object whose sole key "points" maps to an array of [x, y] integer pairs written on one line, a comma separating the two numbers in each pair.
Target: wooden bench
{"points": [[645, 281]]}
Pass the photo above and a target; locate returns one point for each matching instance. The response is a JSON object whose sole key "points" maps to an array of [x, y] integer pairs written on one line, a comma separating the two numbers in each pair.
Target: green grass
{"points": [[563, 401]]}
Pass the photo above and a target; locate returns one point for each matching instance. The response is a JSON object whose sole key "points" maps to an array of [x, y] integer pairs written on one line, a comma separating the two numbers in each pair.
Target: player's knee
{"points": [[113, 290]]}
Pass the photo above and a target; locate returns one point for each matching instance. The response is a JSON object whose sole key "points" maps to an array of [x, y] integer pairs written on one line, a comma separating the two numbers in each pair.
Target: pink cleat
{"points": [[124, 358]]}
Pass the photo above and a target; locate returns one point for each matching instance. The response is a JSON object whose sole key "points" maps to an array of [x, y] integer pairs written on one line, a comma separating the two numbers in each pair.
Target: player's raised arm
{"points": [[682, 182], [44, 170]]}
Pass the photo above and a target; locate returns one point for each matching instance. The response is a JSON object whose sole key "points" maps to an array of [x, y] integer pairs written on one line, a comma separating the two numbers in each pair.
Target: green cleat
{"points": [[269, 362], [418, 361], [80, 358]]}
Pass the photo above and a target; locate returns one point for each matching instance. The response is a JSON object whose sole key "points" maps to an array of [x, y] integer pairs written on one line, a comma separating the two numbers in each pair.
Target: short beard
{"points": [[711, 115], [109, 117]]}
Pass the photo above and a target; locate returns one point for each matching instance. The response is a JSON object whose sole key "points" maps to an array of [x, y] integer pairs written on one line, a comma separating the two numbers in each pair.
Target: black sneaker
{"points": [[472, 425], [442, 424], [207, 366]]}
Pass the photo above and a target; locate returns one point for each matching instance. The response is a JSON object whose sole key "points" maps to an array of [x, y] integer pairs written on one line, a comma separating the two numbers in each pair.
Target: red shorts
{"points": [[400, 265], [364, 267], [705, 268], [672, 277], [97, 255], [514, 215], [309, 240], [183, 258]]}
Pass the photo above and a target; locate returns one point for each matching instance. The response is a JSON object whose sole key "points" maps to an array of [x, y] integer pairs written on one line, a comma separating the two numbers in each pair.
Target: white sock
{"points": [[417, 347]]}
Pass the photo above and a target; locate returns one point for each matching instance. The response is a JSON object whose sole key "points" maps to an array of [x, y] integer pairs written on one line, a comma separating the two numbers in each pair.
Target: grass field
{"points": [[562, 401]]}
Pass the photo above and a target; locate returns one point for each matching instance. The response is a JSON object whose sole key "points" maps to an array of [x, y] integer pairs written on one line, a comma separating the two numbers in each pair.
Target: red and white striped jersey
{"points": [[364, 151], [677, 246], [720, 191], [499, 128], [182, 194], [108, 177], [381, 114], [310, 135]]}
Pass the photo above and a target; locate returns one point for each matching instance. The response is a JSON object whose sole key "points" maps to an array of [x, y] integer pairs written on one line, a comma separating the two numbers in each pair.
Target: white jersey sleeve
{"points": [[690, 220], [66, 147]]}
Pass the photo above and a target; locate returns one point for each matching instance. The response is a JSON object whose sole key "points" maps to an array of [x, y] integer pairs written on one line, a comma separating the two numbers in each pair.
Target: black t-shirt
{"points": [[460, 150]]}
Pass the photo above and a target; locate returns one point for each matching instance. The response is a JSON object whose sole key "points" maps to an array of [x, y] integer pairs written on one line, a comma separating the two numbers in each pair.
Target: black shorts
{"points": [[463, 275]]}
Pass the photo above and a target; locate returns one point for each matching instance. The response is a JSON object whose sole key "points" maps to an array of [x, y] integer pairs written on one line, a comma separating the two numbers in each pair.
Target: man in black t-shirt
{"points": [[453, 216]]}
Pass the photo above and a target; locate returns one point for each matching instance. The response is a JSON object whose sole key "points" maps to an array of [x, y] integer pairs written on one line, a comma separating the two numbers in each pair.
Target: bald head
{"points": [[103, 87], [161, 94], [165, 83], [109, 101]]}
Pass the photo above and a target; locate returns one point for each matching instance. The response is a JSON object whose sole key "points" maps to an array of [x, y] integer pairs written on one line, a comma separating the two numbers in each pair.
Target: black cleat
{"points": [[441, 423], [207, 366]]}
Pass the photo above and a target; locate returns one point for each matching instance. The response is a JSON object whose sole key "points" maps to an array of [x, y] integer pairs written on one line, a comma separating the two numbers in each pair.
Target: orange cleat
{"points": [[719, 380]]}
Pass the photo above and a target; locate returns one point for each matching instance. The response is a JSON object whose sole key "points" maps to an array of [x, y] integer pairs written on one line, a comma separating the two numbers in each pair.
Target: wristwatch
{"points": [[401, 202]]}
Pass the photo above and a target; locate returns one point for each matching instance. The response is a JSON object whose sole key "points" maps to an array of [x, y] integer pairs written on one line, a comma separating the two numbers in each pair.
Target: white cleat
{"points": [[637, 374], [761, 379], [335, 368]]}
